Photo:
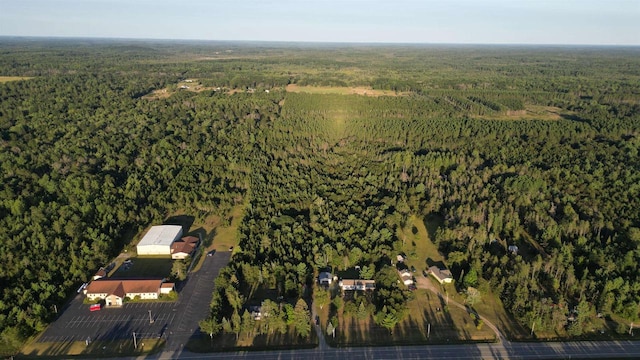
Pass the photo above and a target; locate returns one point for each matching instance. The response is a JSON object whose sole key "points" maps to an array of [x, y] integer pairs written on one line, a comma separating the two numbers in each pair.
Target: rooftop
{"points": [[161, 235], [185, 245], [123, 287]]}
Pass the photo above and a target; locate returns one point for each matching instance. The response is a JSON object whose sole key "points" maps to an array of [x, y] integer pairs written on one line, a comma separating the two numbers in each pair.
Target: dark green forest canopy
{"points": [[530, 146]]}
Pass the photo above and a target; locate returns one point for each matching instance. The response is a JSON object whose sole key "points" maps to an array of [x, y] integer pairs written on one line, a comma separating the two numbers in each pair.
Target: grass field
{"points": [[144, 267], [418, 245], [95, 350], [422, 252], [531, 112], [426, 311], [4, 79], [227, 236], [361, 90], [275, 341]]}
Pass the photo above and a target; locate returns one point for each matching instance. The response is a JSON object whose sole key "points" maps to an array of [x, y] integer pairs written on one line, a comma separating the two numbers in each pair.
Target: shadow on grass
{"points": [[186, 221]]}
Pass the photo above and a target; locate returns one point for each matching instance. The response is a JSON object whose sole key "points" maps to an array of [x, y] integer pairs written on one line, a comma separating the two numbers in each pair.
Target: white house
{"points": [[158, 240], [356, 284], [442, 275], [406, 276]]}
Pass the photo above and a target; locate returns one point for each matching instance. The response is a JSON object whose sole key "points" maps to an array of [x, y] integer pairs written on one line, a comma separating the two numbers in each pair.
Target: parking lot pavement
{"points": [[175, 321]]}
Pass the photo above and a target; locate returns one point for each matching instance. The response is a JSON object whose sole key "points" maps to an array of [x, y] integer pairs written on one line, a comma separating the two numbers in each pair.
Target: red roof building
{"points": [[184, 247], [114, 291]]}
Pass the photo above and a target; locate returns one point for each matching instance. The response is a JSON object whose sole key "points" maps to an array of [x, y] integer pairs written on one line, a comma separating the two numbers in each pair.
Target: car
{"points": [[413, 269], [412, 287], [317, 320], [424, 273], [82, 287], [95, 307], [210, 253]]}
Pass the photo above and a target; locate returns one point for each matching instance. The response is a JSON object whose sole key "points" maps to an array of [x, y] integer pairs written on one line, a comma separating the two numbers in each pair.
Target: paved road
{"points": [[524, 351], [193, 305]]}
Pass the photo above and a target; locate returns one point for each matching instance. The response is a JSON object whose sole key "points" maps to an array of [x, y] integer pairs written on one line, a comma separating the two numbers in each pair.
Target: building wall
{"points": [[154, 250], [113, 300], [93, 297], [143, 295], [179, 256]]}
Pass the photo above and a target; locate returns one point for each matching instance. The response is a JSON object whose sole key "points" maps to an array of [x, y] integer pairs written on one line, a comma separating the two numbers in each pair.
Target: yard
{"points": [[430, 321], [144, 267], [422, 253], [95, 349]]}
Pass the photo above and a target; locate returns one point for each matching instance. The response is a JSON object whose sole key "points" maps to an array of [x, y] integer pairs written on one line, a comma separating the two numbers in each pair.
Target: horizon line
{"points": [[311, 42]]}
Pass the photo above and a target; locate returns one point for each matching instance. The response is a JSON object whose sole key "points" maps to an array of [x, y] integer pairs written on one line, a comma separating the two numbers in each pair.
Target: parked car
{"points": [[95, 307], [82, 287], [317, 320], [413, 269]]}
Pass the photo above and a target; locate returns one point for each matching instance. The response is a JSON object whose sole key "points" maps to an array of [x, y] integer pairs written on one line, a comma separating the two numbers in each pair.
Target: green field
{"points": [[144, 267], [4, 79]]}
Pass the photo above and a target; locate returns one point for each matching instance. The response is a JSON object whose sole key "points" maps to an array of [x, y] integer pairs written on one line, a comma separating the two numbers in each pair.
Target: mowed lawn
{"points": [[421, 251], [95, 349], [418, 245], [144, 267], [427, 310]]}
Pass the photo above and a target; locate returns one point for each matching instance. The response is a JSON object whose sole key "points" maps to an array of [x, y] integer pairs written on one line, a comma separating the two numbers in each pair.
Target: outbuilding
{"points": [[158, 240]]}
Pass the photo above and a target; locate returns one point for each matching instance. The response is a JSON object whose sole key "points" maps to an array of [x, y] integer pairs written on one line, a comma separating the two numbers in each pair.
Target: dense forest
{"points": [[536, 147]]}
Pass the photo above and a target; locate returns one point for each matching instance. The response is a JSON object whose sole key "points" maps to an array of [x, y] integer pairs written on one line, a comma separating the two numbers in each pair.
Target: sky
{"points": [[591, 22]]}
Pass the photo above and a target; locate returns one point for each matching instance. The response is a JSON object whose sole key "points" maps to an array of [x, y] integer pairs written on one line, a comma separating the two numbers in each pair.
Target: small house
{"points": [[443, 276], [325, 278], [100, 274], [357, 284], [406, 276], [184, 247]]}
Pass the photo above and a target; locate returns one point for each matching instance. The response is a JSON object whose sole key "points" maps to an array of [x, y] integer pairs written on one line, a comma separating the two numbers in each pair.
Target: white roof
{"points": [[161, 235]]}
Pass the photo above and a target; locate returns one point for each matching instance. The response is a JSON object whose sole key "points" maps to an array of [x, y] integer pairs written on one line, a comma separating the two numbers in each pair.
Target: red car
{"points": [[95, 307]]}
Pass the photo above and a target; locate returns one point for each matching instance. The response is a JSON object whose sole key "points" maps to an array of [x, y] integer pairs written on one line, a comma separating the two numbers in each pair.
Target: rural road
{"points": [[507, 350]]}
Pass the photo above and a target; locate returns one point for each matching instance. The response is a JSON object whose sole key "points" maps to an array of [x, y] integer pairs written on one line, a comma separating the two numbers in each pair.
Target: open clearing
{"points": [[360, 90], [4, 79], [531, 112], [192, 85]]}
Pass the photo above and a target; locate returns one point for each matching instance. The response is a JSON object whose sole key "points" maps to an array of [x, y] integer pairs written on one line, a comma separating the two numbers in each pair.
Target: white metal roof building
{"points": [[158, 240]]}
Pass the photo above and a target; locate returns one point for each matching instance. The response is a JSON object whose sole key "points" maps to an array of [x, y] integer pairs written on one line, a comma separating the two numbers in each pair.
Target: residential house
{"points": [[406, 276], [357, 284], [256, 312], [325, 278], [184, 247], [442, 275]]}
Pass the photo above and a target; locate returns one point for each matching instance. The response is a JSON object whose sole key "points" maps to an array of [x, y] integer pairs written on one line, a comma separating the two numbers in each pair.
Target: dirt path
{"points": [[426, 283]]}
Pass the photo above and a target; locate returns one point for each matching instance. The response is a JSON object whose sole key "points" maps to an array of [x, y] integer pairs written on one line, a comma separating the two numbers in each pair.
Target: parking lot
{"points": [[175, 321]]}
